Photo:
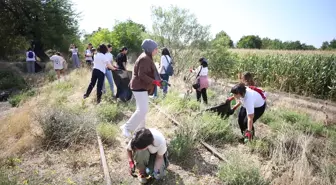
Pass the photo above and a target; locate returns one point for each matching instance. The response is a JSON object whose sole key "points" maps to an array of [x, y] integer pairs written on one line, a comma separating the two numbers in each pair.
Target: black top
{"points": [[121, 58]]}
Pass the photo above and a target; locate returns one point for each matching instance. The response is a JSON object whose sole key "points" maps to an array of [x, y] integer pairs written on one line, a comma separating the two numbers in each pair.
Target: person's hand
{"points": [[131, 167], [157, 83], [248, 135], [191, 70]]}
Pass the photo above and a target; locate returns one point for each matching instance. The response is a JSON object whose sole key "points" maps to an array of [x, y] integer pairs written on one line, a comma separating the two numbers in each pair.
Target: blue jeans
{"points": [[155, 91], [109, 77], [165, 77]]}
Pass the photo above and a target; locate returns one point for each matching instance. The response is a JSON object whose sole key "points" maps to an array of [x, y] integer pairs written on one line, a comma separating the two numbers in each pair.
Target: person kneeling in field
{"points": [[59, 64], [147, 152], [253, 101]]}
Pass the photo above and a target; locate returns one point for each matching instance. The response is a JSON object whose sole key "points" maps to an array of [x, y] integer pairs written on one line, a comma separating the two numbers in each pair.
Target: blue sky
{"points": [[310, 21]]}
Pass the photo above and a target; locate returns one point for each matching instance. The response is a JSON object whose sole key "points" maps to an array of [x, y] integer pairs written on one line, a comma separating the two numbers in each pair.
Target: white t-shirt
{"points": [[164, 64], [88, 52], [100, 62], [159, 146], [252, 100], [204, 71], [109, 57], [58, 61], [30, 59], [74, 51]]}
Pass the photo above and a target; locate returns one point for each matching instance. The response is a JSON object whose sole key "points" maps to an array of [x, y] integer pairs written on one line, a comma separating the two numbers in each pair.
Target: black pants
{"points": [[96, 75], [242, 117], [89, 63], [202, 93]]}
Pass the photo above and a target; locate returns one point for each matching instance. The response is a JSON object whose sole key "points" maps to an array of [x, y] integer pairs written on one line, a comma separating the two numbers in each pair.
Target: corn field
{"points": [[303, 73]]}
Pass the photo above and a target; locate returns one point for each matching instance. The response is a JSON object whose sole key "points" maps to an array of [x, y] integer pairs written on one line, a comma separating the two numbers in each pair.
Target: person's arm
{"points": [[158, 162], [250, 121], [129, 155], [237, 105], [110, 66], [161, 65]]}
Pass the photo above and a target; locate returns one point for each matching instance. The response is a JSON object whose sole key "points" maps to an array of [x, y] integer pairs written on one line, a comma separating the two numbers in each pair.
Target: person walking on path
{"points": [[108, 72], [59, 64], [164, 64], [142, 84], [98, 72], [30, 59], [202, 79], [75, 57]]}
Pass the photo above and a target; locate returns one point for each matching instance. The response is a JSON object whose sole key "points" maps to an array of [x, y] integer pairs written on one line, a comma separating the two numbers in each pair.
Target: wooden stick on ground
{"points": [[104, 163]]}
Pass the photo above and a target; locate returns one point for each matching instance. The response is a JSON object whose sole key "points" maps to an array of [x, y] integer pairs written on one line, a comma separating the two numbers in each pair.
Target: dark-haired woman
{"points": [[142, 84], [99, 68], [202, 77], [146, 152], [165, 61], [75, 57], [89, 55], [122, 59], [247, 79], [253, 101]]}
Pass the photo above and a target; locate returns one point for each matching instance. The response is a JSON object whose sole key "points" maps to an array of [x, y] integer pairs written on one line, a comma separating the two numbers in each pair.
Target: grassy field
{"points": [[49, 138]]}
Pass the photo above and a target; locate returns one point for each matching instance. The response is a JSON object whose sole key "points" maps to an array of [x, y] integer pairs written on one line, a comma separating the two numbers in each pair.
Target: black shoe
{"points": [[85, 96]]}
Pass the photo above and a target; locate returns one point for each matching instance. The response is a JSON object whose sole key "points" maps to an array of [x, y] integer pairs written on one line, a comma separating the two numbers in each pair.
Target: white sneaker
{"points": [[125, 132]]}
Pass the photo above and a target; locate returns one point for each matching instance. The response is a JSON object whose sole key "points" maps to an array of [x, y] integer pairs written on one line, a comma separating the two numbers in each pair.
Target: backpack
{"points": [[30, 54], [170, 69], [260, 91]]}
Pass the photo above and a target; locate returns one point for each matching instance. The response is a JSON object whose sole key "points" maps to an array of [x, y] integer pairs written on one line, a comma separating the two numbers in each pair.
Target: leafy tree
{"points": [[332, 44], [222, 39], [178, 29], [45, 23], [250, 41], [128, 33], [325, 45]]}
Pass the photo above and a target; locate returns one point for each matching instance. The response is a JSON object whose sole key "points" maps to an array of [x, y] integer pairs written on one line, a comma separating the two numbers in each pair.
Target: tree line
{"points": [[50, 24]]}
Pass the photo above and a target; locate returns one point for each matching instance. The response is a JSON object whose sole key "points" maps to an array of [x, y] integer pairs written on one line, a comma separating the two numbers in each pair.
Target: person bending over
{"points": [[147, 152], [253, 101]]}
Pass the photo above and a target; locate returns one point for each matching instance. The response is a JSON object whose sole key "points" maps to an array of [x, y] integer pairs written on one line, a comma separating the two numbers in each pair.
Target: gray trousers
{"points": [[75, 60], [31, 66]]}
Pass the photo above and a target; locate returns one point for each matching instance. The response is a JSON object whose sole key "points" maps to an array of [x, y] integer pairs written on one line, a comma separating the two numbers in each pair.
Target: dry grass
{"points": [[16, 132]]}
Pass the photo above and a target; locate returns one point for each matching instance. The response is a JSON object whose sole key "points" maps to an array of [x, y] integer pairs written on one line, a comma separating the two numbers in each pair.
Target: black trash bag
{"points": [[222, 110], [122, 79]]}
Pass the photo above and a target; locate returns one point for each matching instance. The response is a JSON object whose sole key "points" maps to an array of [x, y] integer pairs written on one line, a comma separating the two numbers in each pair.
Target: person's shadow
{"points": [[170, 179]]}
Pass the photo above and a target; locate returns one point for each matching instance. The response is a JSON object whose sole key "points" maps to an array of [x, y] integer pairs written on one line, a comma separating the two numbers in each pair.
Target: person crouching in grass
{"points": [[59, 64], [101, 61], [147, 152]]}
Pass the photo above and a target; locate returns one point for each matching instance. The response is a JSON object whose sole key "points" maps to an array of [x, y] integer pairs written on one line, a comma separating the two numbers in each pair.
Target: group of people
{"points": [[147, 147]]}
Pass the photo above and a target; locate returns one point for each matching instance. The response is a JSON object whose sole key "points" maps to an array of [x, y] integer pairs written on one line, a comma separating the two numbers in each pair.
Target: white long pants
{"points": [[138, 118]]}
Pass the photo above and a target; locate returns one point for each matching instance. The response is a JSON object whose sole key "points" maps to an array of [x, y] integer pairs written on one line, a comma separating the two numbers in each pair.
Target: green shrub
{"points": [[51, 76], [183, 143], [212, 128], [108, 132], [174, 103], [11, 80], [63, 127], [22, 97], [280, 119], [109, 112], [5, 180], [261, 146], [240, 171]]}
